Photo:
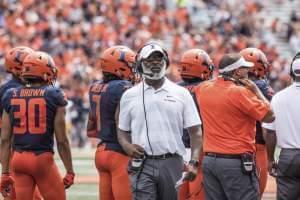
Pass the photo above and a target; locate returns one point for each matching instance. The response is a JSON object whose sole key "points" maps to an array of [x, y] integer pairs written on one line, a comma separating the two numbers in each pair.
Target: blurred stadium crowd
{"points": [[75, 32]]}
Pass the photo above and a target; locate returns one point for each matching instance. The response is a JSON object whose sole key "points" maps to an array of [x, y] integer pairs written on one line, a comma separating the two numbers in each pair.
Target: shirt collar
{"points": [[166, 86], [296, 84]]}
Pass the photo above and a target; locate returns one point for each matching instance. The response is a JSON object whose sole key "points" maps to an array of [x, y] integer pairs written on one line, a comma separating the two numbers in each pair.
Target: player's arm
{"points": [[91, 125], [6, 140], [271, 145], [63, 145]]}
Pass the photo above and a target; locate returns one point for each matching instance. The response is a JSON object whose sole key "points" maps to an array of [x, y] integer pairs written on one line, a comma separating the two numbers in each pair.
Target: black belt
{"points": [[163, 156], [218, 155]]}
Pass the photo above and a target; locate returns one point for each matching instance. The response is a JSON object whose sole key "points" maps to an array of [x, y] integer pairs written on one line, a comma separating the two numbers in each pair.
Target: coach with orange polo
{"points": [[230, 106]]}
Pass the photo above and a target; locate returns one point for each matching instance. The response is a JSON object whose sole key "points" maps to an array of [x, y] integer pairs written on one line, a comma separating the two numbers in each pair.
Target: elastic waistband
{"points": [[36, 152], [218, 155], [112, 147], [163, 156]]}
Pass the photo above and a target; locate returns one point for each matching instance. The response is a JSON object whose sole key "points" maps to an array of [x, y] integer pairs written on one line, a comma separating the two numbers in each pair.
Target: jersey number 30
{"points": [[34, 120]]}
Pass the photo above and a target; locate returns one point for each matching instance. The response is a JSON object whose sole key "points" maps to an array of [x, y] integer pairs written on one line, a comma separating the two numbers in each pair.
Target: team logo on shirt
{"points": [[169, 98]]}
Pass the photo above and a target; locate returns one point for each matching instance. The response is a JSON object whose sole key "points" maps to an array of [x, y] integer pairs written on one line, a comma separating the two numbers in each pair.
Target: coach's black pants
{"points": [[224, 180], [288, 171], [157, 179]]}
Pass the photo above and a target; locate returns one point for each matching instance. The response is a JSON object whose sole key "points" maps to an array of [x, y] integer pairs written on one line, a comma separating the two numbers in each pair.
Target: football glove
{"points": [[7, 185], [69, 179]]}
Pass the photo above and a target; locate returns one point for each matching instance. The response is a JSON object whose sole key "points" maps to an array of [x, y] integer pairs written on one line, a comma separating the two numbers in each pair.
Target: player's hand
{"points": [[7, 185], [191, 172], [272, 167], [134, 150], [69, 179], [249, 84]]}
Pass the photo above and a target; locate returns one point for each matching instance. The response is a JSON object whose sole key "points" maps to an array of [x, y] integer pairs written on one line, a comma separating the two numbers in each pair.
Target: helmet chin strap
{"points": [[147, 73]]}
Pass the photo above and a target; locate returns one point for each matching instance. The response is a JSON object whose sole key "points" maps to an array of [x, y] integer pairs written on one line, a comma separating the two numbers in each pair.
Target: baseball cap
{"points": [[296, 67], [148, 49], [230, 62]]}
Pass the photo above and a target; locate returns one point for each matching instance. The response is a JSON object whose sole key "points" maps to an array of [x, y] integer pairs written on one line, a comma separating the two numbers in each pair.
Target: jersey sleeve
{"points": [[249, 103], [122, 87], [57, 97], [190, 114]]}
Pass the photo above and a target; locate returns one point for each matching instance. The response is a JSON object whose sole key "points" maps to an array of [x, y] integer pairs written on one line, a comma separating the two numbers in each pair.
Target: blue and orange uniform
{"points": [[195, 67], [12, 83], [261, 151], [32, 114], [110, 159], [194, 189]]}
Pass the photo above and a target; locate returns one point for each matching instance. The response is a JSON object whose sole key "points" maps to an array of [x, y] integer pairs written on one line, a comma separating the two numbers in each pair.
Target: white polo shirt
{"points": [[286, 107], [169, 109]]}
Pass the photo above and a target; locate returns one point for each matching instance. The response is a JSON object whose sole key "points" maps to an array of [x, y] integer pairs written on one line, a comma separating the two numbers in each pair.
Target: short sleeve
{"points": [[58, 97], [190, 112], [124, 115], [121, 88], [249, 103], [270, 126]]}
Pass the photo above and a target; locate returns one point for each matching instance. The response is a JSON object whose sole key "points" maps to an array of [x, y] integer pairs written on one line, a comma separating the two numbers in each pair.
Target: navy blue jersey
{"points": [[190, 87], [104, 99], [13, 83], [32, 112], [268, 92]]}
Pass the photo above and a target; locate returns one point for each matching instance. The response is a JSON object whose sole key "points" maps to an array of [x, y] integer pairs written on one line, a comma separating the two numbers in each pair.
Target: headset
{"points": [[138, 60], [297, 56]]}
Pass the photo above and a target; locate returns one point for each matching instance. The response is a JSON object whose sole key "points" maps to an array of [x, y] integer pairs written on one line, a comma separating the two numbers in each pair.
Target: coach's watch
{"points": [[194, 163]]}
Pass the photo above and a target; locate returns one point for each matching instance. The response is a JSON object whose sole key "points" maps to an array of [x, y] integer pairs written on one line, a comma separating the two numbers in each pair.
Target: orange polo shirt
{"points": [[229, 113]]}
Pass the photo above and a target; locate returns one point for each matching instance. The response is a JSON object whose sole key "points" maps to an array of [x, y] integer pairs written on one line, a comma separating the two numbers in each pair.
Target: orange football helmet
{"points": [[196, 63], [118, 60], [39, 65], [14, 59], [261, 65]]}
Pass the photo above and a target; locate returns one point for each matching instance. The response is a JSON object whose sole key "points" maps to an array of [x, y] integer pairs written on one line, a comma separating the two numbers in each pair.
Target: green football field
{"points": [[86, 186]]}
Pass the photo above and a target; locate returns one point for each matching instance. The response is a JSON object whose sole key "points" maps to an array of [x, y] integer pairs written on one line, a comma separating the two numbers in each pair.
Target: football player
{"points": [[258, 73], [104, 96], [195, 66], [13, 65], [31, 116]]}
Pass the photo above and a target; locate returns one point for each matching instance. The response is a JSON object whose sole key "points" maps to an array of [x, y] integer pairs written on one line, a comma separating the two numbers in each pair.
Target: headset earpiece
{"points": [[166, 56], [297, 56], [138, 63]]}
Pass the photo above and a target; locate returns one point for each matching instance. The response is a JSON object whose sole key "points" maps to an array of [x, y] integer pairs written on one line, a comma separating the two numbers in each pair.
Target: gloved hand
{"points": [[7, 185], [272, 168], [69, 179]]}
